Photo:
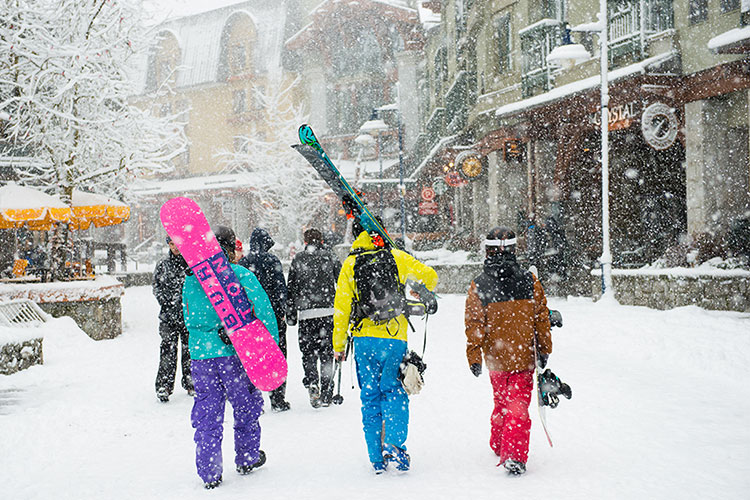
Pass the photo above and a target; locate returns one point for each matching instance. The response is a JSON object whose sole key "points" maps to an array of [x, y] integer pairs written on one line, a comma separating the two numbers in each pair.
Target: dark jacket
{"points": [[169, 277], [312, 283], [267, 268], [505, 309]]}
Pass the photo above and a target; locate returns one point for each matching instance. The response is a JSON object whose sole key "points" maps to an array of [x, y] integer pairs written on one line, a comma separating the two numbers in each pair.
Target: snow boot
{"points": [[514, 467], [379, 467], [247, 469], [162, 394], [283, 406], [314, 392], [212, 484], [392, 453]]}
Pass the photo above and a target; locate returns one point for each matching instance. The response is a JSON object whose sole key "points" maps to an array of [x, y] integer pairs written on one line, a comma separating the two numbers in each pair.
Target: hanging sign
{"points": [[439, 186], [469, 164], [513, 149], [659, 125], [454, 179]]}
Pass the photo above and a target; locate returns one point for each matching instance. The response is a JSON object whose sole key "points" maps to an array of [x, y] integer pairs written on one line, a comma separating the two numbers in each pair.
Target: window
{"points": [[503, 43], [698, 11], [237, 59], [729, 5], [238, 102]]}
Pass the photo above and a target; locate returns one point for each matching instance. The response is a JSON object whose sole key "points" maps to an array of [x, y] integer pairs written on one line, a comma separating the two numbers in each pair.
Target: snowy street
{"points": [[659, 411]]}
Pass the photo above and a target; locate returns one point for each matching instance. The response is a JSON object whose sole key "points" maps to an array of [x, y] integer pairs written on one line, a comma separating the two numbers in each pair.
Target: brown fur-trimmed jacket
{"points": [[505, 308]]}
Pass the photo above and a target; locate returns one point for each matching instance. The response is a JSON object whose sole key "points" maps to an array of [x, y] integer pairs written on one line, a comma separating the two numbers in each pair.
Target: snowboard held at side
{"points": [[261, 357]]}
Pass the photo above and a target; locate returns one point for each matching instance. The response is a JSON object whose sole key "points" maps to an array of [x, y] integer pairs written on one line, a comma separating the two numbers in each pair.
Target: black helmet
{"points": [[227, 239], [500, 239]]}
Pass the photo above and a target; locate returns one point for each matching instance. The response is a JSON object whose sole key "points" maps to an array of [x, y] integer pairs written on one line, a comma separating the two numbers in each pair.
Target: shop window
{"points": [[239, 102], [729, 5], [698, 11], [503, 43]]}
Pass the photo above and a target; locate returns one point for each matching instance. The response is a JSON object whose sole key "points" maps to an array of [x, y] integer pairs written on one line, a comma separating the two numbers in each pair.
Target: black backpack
{"points": [[380, 292]]}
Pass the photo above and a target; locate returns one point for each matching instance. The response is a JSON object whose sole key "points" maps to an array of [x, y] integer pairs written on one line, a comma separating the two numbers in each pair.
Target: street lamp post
{"points": [[567, 55], [375, 126]]}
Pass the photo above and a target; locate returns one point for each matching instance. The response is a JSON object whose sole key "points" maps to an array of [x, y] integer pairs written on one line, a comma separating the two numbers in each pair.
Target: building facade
{"points": [[528, 132]]}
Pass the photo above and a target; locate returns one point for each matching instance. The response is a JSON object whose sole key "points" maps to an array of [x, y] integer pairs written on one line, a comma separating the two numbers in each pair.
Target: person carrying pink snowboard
{"points": [[218, 374]]}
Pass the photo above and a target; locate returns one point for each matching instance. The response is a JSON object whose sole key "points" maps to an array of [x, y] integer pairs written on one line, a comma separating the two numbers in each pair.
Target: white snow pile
{"points": [[659, 411]]}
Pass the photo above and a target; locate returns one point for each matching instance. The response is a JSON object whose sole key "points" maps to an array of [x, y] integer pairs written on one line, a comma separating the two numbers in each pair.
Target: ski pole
{"points": [[338, 398]]}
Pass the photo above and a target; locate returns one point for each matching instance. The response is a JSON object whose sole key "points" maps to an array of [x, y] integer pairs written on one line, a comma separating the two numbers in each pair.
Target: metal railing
{"points": [[22, 313]]}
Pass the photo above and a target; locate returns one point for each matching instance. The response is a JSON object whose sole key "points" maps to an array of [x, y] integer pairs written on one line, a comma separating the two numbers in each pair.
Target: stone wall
{"points": [[17, 356], [726, 291]]}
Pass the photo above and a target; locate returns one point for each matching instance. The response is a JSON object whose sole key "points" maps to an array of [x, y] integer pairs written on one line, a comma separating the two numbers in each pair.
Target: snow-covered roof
{"points": [[427, 17], [147, 187], [736, 40], [199, 38], [579, 86]]}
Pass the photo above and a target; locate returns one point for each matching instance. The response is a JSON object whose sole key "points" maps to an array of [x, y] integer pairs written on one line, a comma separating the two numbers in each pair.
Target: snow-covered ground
{"points": [[659, 410]]}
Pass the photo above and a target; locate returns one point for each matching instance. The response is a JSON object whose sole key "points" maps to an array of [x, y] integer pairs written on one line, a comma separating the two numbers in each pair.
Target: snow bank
{"points": [[101, 288]]}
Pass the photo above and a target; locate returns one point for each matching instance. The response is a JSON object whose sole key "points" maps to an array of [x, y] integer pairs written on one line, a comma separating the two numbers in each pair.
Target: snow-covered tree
{"points": [[65, 79], [65, 82], [288, 190]]}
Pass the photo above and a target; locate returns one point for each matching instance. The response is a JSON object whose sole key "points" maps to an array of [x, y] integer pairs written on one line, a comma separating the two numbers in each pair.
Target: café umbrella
{"points": [[25, 206], [97, 209]]}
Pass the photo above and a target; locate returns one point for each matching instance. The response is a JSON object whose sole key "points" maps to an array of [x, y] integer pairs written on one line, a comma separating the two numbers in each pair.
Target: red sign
{"points": [[454, 179], [428, 208], [428, 194]]}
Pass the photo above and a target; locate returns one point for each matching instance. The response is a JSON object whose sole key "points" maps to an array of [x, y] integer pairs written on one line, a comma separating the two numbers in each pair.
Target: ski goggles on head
{"points": [[500, 243]]}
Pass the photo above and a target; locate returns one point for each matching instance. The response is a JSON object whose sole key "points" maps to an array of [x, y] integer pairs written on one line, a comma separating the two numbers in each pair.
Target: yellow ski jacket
{"points": [[346, 294]]}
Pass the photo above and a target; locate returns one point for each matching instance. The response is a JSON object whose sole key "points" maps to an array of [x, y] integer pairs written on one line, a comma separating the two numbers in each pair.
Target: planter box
{"points": [[94, 305]]}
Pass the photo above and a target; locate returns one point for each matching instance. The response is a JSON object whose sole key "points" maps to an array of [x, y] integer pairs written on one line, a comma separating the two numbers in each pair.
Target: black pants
{"points": [[171, 335], [316, 343], [277, 395]]}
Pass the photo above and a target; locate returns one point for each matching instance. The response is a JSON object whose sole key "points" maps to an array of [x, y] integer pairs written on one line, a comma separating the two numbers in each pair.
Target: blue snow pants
{"points": [[383, 398], [216, 381]]}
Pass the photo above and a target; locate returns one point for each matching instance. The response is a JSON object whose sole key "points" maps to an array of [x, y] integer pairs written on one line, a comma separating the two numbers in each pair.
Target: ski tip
{"points": [[306, 134]]}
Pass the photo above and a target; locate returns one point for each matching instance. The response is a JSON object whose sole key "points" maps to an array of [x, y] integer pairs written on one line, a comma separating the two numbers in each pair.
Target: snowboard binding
{"points": [[551, 387]]}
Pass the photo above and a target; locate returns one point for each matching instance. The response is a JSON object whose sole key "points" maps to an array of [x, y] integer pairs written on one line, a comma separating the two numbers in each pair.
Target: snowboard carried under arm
{"points": [[260, 355]]}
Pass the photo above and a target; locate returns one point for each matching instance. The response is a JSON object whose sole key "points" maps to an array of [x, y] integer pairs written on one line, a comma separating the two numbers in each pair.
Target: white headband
{"points": [[500, 243]]}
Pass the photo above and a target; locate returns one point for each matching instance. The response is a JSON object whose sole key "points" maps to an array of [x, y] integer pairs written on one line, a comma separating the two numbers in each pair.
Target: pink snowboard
{"points": [[187, 226]]}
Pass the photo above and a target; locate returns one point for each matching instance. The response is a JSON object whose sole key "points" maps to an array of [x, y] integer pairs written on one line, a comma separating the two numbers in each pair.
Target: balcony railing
{"points": [[631, 22], [537, 41]]}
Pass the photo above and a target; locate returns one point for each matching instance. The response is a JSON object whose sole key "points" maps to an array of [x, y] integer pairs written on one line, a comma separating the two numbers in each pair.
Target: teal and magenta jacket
{"points": [[203, 323]]}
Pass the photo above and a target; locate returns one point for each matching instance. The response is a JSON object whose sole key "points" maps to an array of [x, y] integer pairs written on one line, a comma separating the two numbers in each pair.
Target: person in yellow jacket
{"points": [[379, 346]]}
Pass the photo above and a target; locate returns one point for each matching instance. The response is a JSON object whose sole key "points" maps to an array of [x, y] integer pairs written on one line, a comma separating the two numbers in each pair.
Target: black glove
{"points": [[542, 361], [291, 320], [476, 369], [224, 337]]}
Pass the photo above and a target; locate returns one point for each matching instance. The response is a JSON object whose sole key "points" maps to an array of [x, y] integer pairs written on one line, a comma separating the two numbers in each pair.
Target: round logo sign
{"points": [[439, 186], [659, 125], [469, 164], [428, 194]]}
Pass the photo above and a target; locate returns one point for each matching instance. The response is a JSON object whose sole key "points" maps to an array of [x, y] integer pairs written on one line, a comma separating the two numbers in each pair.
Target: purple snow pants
{"points": [[217, 380]]}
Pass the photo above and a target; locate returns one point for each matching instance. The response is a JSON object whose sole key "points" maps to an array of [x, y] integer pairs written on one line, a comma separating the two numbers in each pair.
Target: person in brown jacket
{"points": [[506, 315]]}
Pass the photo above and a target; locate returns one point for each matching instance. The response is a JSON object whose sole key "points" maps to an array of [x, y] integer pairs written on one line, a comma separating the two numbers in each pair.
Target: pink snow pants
{"points": [[510, 423]]}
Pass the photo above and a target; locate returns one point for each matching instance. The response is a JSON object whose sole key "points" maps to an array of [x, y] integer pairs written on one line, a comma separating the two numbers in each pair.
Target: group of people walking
{"points": [[362, 301]]}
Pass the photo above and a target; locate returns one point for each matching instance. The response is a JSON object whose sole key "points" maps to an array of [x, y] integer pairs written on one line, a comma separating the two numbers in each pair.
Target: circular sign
{"points": [[469, 164], [659, 125], [439, 186], [428, 194]]}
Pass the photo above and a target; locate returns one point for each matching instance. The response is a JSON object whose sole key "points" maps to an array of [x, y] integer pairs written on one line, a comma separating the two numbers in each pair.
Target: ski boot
{"points": [[551, 387], [392, 453], [209, 485]]}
